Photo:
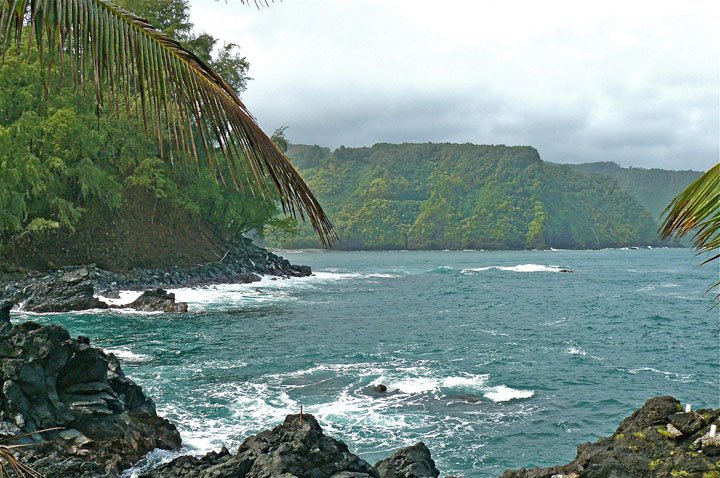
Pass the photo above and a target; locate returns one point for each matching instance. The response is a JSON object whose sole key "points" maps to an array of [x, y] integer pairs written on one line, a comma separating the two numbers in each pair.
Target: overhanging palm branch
{"points": [[697, 210], [153, 78]]}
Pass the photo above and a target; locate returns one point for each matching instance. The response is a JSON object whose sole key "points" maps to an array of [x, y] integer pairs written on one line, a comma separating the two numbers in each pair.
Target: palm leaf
{"points": [[154, 79], [696, 210]]}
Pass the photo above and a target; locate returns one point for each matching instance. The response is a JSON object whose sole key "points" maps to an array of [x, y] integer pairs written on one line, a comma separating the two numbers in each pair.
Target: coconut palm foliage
{"points": [[131, 66], [697, 210]]}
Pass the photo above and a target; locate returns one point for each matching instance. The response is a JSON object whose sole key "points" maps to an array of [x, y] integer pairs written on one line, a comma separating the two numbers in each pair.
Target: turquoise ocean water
{"points": [[493, 359]]}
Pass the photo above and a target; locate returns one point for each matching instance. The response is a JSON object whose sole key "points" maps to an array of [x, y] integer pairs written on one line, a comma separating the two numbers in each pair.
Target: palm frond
{"points": [[154, 79], [697, 210]]}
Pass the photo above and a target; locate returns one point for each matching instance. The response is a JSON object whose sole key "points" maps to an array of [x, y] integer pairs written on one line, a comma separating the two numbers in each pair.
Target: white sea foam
{"points": [[517, 268], [676, 377], [415, 385], [575, 351], [556, 322], [467, 381], [503, 393], [126, 296], [126, 355]]}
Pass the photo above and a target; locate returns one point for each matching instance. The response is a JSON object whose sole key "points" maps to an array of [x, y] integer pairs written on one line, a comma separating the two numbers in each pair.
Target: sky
{"points": [[637, 83]]}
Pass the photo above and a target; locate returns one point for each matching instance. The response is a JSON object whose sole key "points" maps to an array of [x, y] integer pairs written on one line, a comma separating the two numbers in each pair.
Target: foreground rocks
{"points": [[51, 380], [658, 440], [298, 448], [413, 461]]}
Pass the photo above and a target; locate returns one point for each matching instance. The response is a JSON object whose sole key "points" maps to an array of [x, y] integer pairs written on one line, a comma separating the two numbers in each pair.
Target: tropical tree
{"points": [[135, 68], [696, 210]]}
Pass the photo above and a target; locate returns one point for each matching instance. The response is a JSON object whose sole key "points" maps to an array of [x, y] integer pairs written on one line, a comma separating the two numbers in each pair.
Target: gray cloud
{"points": [[636, 83]]}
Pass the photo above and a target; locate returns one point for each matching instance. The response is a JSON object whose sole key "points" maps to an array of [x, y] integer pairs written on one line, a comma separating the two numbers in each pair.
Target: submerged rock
{"points": [[411, 462], [51, 380], [157, 300], [657, 440], [62, 292], [297, 448]]}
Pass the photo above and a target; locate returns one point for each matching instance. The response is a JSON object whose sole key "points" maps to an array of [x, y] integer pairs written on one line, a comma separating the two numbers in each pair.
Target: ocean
{"points": [[494, 359]]}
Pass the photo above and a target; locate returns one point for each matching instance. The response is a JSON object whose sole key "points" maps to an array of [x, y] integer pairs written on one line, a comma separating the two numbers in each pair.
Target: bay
{"points": [[494, 359]]}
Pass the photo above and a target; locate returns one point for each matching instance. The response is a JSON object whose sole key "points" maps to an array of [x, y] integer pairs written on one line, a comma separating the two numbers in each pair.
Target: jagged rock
{"points": [[5, 306], [157, 300], [61, 293], [297, 448], [686, 423], [644, 445], [410, 462], [50, 380]]}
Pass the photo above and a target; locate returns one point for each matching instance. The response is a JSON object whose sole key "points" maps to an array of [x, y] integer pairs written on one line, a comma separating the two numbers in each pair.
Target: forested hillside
{"points": [[81, 184], [457, 196], [654, 188]]}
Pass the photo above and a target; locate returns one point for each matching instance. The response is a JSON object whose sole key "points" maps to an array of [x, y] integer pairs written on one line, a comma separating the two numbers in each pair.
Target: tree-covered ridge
{"points": [[458, 196], [654, 188]]}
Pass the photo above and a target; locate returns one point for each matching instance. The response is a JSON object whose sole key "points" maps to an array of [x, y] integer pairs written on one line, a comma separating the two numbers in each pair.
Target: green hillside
{"points": [[458, 196], [654, 188]]}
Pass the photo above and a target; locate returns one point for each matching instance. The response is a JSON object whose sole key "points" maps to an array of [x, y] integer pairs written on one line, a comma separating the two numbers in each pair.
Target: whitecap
{"points": [[517, 268], [468, 381], [575, 351], [676, 377], [415, 385], [126, 355], [503, 393]]}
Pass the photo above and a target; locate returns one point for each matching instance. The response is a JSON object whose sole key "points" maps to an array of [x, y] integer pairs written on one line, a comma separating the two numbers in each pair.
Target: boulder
{"points": [[51, 380], [410, 462], [157, 300], [62, 292], [296, 448]]}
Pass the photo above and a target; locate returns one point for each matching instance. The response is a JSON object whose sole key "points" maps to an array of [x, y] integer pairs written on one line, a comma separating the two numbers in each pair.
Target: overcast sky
{"points": [[633, 82]]}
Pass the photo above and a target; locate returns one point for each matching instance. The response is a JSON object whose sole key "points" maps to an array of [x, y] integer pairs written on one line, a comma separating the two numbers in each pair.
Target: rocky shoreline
{"points": [[74, 288]]}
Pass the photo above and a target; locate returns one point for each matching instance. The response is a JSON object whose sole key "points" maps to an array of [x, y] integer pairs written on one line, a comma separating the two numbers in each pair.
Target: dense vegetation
{"points": [[654, 188], [456, 196], [69, 169]]}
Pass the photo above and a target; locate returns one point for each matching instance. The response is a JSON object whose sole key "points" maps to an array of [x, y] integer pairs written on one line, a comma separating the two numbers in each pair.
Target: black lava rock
{"points": [[655, 441], [297, 448], [411, 462], [50, 380], [62, 292], [157, 300]]}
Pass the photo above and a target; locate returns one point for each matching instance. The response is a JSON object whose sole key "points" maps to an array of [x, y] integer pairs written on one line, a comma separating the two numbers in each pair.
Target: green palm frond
{"points": [[154, 79], [697, 210]]}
